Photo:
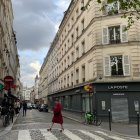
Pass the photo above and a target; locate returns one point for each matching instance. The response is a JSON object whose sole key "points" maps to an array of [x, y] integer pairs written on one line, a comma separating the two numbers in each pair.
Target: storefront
{"points": [[75, 100], [123, 99]]}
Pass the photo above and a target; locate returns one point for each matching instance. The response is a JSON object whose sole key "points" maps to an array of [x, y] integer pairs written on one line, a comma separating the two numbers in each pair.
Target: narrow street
{"points": [[34, 127]]}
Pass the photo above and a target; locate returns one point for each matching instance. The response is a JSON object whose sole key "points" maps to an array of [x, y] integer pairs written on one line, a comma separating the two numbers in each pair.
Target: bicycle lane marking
{"points": [[24, 135], [91, 135]]}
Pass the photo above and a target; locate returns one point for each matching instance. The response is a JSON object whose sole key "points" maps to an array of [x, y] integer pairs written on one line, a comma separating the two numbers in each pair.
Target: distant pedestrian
{"points": [[57, 115], [24, 108]]}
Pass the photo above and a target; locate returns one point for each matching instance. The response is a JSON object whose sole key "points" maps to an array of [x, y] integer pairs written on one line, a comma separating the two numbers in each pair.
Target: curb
{"points": [[8, 128], [117, 133]]}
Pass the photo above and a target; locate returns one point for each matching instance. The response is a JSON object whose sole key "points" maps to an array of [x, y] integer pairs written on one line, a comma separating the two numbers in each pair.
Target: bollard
{"points": [[138, 123], [109, 119]]}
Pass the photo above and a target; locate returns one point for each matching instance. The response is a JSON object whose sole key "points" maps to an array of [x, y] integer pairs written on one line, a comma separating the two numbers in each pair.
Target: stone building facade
{"points": [[92, 48], [9, 59]]}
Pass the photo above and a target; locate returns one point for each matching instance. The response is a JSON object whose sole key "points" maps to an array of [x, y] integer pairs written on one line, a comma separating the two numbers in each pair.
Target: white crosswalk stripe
{"points": [[105, 134], [96, 135], [48, 135], [71, 135], [91, 135], [24, 135]]}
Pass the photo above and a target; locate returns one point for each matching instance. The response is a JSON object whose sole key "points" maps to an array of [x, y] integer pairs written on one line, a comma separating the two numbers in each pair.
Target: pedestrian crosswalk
{"points": [[55, 134]]}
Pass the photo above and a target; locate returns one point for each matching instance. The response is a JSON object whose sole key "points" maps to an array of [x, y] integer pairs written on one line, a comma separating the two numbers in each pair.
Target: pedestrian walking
{"points": [[57, 115], [24, 108]]}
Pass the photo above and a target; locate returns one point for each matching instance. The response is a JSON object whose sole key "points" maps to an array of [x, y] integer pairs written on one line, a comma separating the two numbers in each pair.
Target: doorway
{"points": [[119, 108]]}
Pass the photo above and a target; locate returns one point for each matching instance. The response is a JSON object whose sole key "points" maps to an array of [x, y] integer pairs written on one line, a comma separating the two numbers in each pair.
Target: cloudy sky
{"points": [[36, 23]]}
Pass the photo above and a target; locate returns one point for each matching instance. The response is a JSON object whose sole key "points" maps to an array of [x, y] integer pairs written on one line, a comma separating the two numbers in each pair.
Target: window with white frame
{"points": [[114, 34], [116, 65]]}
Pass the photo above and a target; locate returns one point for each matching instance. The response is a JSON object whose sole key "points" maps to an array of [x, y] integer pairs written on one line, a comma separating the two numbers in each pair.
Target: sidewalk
{"points": [[119, 128], [5, 130]]}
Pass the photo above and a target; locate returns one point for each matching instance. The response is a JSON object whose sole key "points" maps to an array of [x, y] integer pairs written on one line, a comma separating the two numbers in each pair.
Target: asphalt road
{"points": [[34, 127]]}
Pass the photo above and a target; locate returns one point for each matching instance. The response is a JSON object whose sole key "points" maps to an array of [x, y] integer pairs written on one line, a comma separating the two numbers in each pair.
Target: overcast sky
{"points": [[36, 23]]}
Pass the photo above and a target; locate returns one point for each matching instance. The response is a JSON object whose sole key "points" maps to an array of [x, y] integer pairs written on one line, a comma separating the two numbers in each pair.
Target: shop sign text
{"points": [[117, 87]]}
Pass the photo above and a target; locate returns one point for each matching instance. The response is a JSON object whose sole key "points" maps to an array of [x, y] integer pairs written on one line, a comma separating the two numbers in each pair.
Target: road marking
{"points": [[24, 135], [105, 134], [71, 135], [48, 135], [91, 135]]}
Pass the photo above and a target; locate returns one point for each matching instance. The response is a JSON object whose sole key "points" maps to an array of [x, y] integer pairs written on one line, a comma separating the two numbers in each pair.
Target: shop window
{"points": [[136, 105], [103, 105]]}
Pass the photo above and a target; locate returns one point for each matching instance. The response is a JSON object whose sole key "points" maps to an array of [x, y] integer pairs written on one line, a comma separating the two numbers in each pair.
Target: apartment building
{"points": [[9, 59], [92, 48], [36, 89]]}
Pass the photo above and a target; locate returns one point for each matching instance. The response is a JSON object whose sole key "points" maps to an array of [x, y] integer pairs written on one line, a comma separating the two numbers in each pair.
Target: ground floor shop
{"points": [[122, 99], [75, 100]]}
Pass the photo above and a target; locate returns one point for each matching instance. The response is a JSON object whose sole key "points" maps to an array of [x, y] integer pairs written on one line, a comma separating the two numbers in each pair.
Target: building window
{"points": [[117, 65], [68, 61], [77, 32], [114, 34], [65, 48], [72, 57], [77, 52], [72, 20], [72, 78], [64, 82], [112, 8], [82, 24], [83, 73], [68, 43], [77, 76], [67, 80], [72, 39], [77, 13], [65, 64], [83, 47]]}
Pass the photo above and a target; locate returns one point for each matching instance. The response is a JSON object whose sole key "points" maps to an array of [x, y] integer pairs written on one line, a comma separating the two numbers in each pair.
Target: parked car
{"points": [[45, 108], [29, 106], [40, 107], [34, 106]]}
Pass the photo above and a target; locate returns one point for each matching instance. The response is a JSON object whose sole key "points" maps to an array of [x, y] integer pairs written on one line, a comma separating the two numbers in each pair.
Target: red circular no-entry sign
{"points": [[8, 82]]}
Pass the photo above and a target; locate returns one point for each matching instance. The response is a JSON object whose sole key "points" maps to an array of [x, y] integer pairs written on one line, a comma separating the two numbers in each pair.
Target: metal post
{"points": [[109, 119], [89, 103], [138, 123]]}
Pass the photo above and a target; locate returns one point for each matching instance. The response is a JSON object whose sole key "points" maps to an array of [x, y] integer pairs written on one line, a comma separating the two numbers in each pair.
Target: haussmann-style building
{"points": [[92, 49]]}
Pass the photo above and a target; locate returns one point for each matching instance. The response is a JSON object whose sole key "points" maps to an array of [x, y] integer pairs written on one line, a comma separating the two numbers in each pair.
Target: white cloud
{"points": [[35, 65], [35, 23]]}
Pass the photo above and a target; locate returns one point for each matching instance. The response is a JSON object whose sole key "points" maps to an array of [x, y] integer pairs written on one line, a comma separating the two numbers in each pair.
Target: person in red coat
{"points": [[57, 115]]}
